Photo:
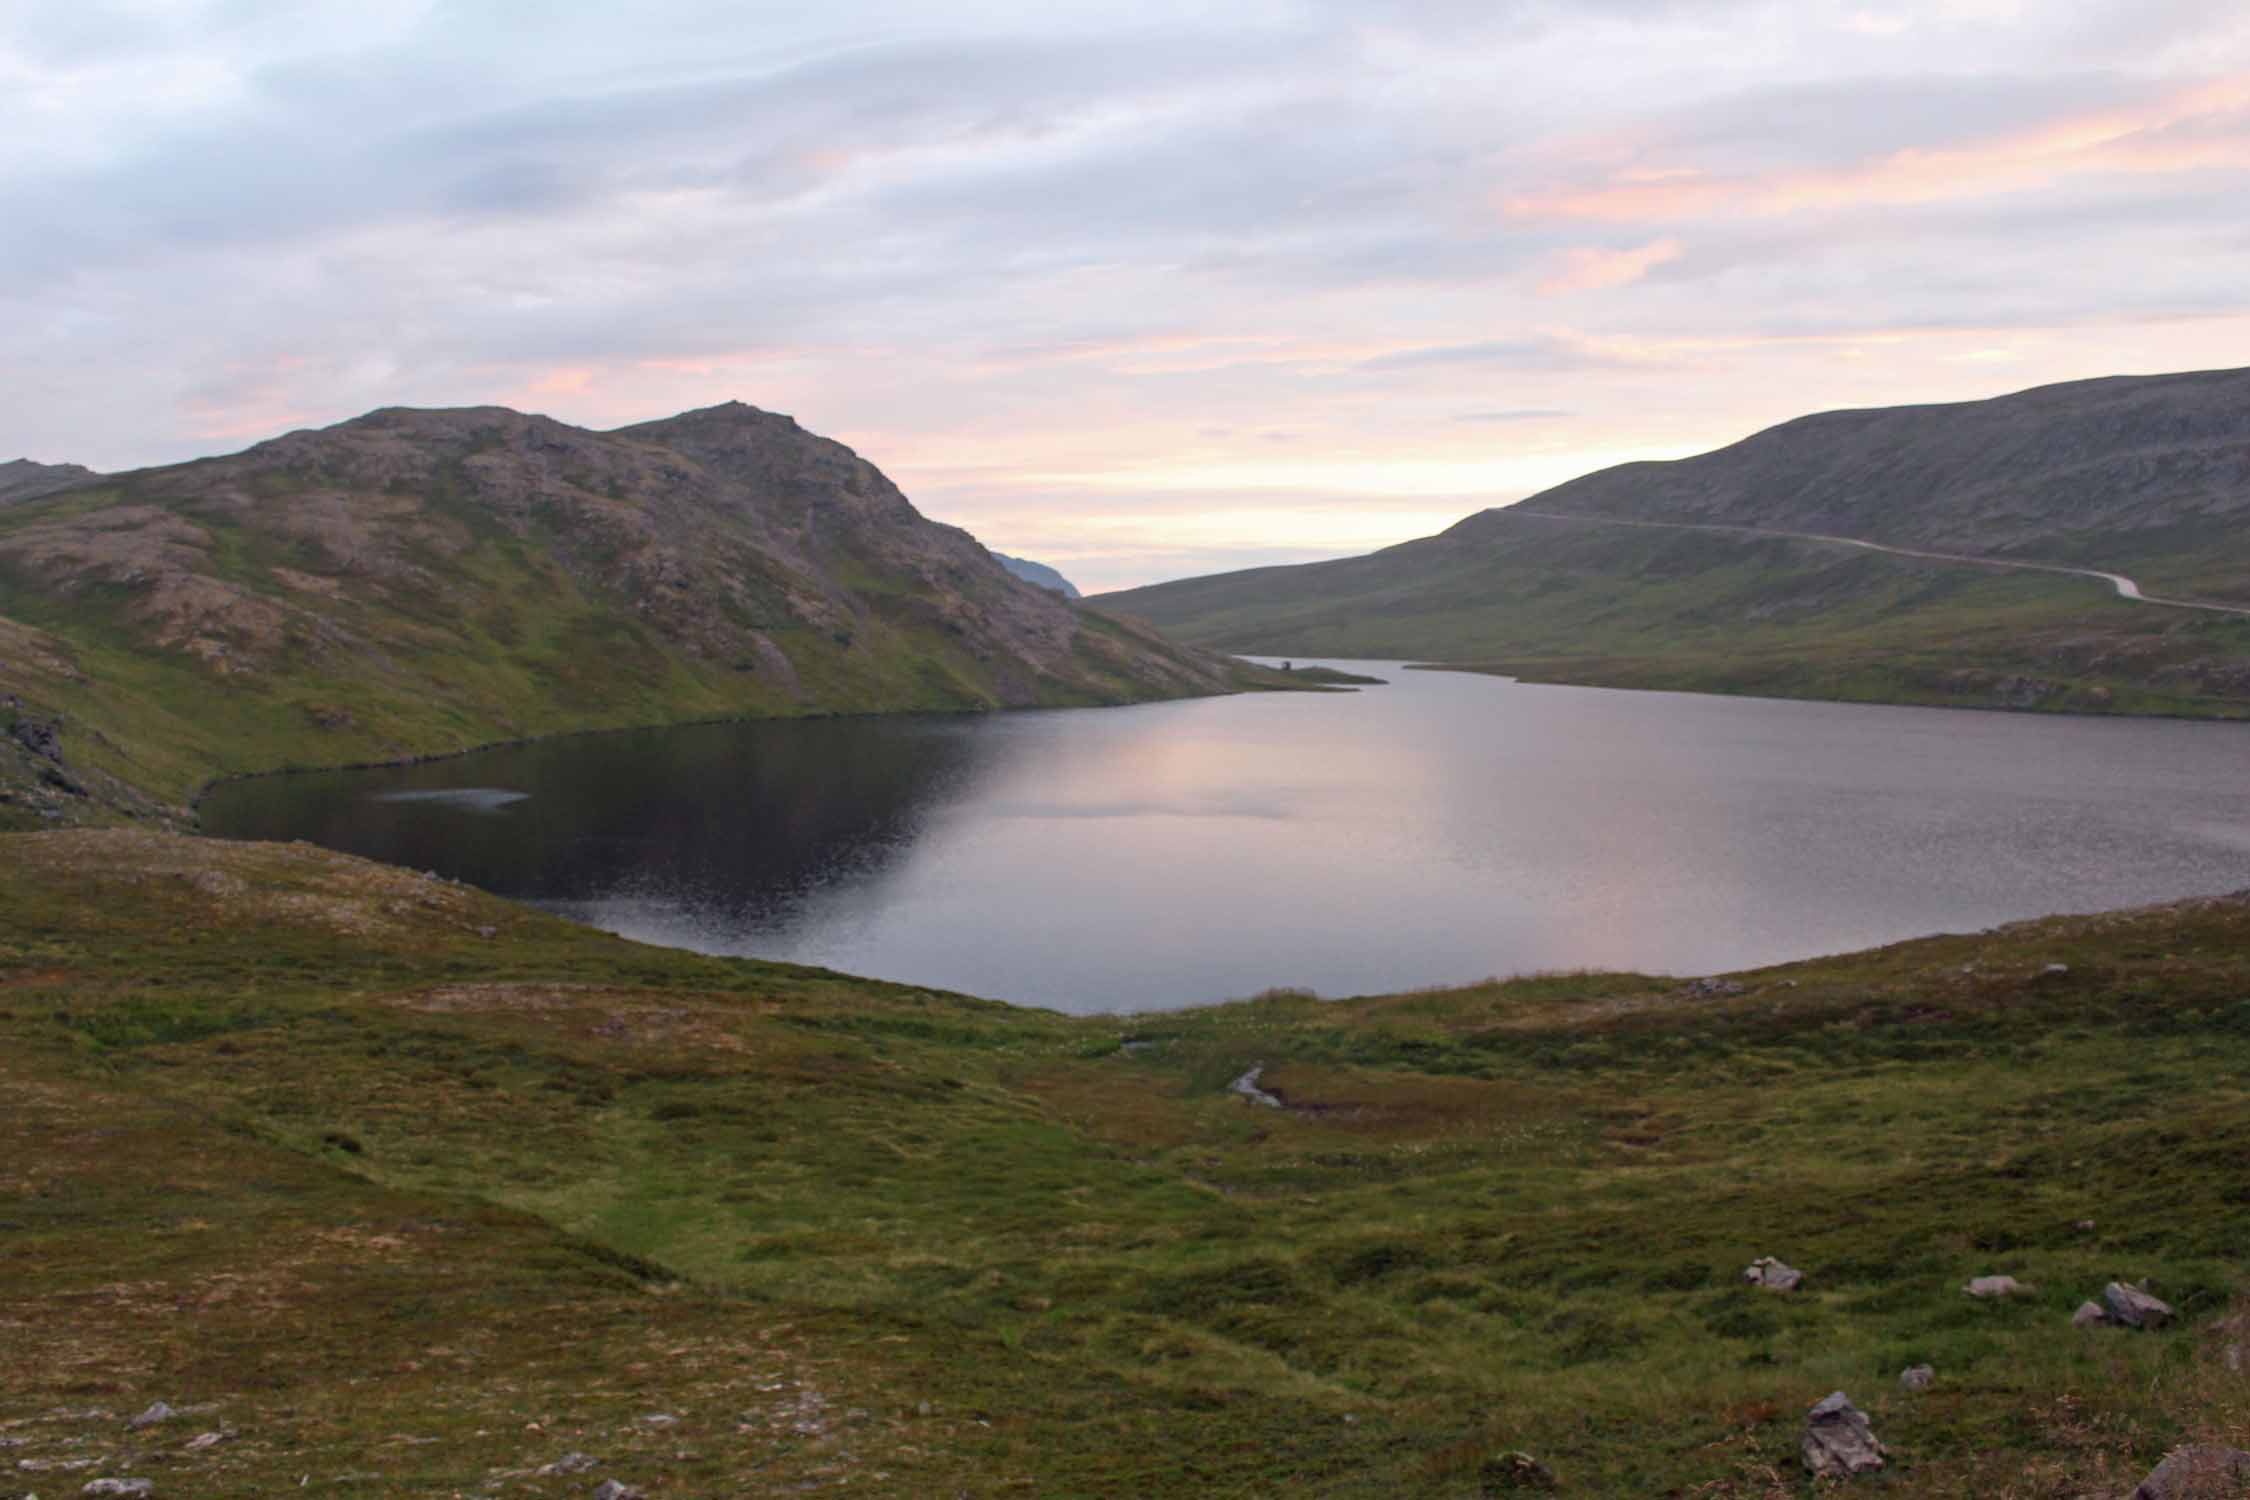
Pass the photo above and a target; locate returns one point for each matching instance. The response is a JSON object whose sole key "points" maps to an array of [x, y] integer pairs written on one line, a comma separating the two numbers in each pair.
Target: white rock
{"points": [[2135, 1308], [1838, 1439], [1772, 1275]]}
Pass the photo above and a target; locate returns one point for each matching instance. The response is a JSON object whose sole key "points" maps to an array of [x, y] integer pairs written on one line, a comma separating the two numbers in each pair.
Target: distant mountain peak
{"points": [[1038, 573]]}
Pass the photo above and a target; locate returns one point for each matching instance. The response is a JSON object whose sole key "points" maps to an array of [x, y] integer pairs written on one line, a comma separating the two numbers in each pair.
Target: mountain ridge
{"points": [[23, 479], [418, 580]]}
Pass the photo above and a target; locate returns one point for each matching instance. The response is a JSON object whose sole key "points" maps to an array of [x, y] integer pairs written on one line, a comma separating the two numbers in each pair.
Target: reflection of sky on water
{"points": [[483, 799], [1436, 830]]}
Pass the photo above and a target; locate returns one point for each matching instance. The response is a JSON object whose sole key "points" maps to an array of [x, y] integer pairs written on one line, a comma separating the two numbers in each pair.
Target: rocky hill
{"points": [[21, 479], [416, 581], [2148, 476]]}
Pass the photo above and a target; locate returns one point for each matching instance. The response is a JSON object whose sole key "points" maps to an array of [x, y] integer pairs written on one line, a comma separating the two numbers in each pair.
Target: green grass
{"points": [[290, 1134], [1632, 607]]}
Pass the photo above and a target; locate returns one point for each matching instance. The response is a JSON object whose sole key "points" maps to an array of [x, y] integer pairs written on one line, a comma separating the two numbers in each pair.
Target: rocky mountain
{"points": [[1039, 573], [21, 479], [416, 581], [2148, 476]]}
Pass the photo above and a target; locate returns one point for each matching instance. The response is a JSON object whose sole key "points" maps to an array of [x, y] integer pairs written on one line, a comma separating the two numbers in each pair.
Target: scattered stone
{"points": [[40, 739], [2089, 1315], [2084, 1226], [571, 1463], [1772, 1275], [923, 1408], [156, 1413], [2054, 971], [119, 1487], [2134, 1307], [1918, 1377], [1839, 1440], [205, 1440], [488, 931], [1514, 1471], [1997, 1286], [610, 1489], [1704, 989], [1247, 1087], [2202, 1471], [660, 1419]]}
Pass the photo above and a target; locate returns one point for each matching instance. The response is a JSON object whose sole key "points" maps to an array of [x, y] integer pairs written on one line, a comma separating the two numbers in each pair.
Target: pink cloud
{"points": [[1592, 270], [2206, 127]]}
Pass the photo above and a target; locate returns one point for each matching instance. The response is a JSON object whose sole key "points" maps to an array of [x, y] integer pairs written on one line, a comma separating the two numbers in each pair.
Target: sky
{"points": [[1141, 289]]}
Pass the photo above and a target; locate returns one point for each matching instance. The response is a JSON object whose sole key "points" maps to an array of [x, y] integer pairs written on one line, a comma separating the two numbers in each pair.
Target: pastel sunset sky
{"points": [[1139, 288]]}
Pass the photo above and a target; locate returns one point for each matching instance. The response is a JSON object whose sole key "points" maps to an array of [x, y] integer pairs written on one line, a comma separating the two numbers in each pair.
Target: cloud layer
{"points": [[1140, 290]]}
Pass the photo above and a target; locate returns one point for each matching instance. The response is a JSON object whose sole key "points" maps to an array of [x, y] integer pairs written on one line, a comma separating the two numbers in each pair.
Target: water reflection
{"points": [[1436, 830]]}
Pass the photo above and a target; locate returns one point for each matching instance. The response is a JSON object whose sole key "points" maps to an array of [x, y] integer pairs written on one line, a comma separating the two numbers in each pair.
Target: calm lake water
{"points": [[1437, 830]]}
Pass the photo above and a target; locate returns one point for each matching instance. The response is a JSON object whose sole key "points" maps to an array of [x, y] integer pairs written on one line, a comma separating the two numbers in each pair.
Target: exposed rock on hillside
{"points": [[414, 581]]}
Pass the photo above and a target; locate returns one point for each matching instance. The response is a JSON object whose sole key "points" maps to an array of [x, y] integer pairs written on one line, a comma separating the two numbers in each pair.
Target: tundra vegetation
{"points": [[386, 1186]]}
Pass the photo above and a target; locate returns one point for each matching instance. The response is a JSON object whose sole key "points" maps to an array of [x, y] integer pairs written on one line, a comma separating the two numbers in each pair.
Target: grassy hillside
{"points": [[402, 1190], [2148, 476], [414, 582], [1633, 607]]}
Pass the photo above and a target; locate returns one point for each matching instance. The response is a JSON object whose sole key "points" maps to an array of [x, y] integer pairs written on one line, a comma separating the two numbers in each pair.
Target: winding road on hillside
{"points": [[2126, 587]]}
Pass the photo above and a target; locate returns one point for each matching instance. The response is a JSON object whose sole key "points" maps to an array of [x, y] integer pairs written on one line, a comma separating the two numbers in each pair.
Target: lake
{"points": [[1437, 830]]}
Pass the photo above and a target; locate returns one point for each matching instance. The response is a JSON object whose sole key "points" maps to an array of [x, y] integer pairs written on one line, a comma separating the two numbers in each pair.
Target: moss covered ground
{"points": [[399, 1189]]}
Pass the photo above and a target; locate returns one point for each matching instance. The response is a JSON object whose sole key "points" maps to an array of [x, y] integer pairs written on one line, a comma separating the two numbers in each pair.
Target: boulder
{"points": [[571, 1463], [610, 1489], [1839, 1442], [2135, 1308], [157, 1412], [118, 1487], [1917, 1377], [1772, 1275], [2089, 1315], [1997, 1286], [2202, 1471]]}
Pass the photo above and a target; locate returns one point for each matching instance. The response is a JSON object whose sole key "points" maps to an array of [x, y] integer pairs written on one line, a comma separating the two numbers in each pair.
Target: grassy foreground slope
{"points": [[403, 1190], [2146, 476], [413, 582]]}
